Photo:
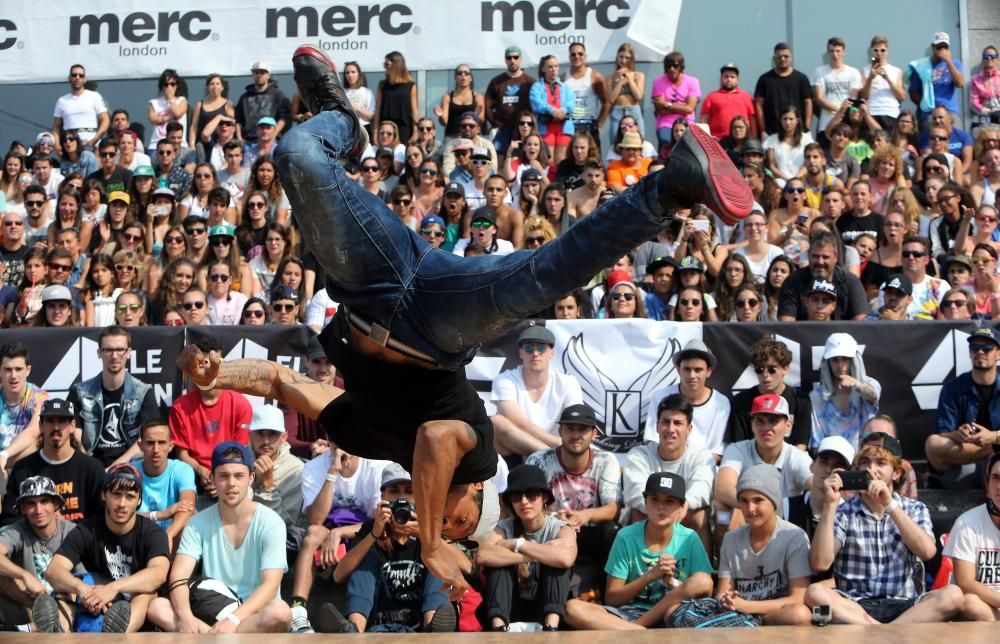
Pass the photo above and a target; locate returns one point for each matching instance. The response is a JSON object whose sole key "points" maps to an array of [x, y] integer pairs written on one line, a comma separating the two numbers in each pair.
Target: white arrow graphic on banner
{"points": [[80, 362], [950, 355]]}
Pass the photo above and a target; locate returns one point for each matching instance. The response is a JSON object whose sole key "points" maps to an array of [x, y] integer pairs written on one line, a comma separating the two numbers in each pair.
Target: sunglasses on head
{"points": [[628, 296]]}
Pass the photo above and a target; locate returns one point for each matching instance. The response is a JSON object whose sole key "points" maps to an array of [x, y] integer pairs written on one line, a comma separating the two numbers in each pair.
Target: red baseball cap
{"points": [[770, 404]]}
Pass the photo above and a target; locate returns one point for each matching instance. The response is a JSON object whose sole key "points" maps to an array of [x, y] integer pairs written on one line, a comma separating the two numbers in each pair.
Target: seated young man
{"points": [[27, 546], [527, 560], [974, 544], [764, 564], [238, 589], [876, 541], [126, 559], [168, 486], [378, 598], [654, 565]]}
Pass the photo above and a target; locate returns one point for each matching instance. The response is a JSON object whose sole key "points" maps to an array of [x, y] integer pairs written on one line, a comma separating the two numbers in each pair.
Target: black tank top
{"points": [[385, 403], [455, 112]]}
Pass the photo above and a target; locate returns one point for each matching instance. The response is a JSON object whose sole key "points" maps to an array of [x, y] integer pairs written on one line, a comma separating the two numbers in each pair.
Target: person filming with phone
{"points": [[876, 543]]}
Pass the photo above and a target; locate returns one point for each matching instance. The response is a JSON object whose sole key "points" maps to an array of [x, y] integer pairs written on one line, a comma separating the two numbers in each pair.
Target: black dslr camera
{"points": [[401, 510]]}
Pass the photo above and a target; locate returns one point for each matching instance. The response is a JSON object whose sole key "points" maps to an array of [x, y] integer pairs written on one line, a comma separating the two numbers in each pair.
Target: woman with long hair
{"points": [[755, 247], [529, 153], [691, 305], [701, 242], [766, 191], [256, 312], [251, 232], [69, 215], [554, 208], [739, 134], [779, 270], [178, 278], [429, 190], [904, 138], [396, 96], [130, 309], [264, 178], [736, 274], [748, 304], [411, 166], [175, 244], [93, 205], [371, 178], [786, 149], [529, 196], [160, 216], [75, 157], [985, 282], [362, 99], [110, 227], [553, 102], [140, 192], [788, 225], [100, 291], [213, 106], [464, 98], [14, 163], [291, 273], [128, 270], [690, 273], [387, 136], [526, 124], [887, 175], [57, 309], [401, 203], [196, 201], [624, 301], [170, 105], [277, 246], [222, 246], [888, 256], [225, 304], [977, 227], [25, 307], [626, 90], [537, 232], [903, 200], [582, 148]]}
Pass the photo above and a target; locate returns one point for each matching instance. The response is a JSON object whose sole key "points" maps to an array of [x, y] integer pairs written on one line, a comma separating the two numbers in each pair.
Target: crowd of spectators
{"points": [[772, 506]]}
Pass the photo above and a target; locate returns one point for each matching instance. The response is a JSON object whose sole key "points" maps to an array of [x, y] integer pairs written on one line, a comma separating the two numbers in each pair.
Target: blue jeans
{"points": [[436, 302], [615, 119], [368, 592]]}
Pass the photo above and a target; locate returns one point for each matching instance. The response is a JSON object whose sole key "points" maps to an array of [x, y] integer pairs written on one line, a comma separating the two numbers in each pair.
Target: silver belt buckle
{"points": [[379, 334]]}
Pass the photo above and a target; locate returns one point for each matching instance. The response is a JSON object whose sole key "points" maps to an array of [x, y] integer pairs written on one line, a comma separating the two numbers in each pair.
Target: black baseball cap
{"points": [[666, 483], [882, 439], [659, 263], [57, 408], [536, 333], [579, 414]]}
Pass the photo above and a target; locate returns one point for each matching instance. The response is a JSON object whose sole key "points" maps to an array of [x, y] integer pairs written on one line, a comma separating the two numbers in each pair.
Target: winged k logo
{"points": [[621, 407]]}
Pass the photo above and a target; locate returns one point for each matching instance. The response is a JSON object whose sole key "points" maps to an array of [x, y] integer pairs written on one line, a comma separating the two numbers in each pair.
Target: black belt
{"points": [[380, 336]]}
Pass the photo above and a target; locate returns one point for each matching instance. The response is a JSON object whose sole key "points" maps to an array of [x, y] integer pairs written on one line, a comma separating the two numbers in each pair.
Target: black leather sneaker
{"points": [[321, 91], [700, 171]]}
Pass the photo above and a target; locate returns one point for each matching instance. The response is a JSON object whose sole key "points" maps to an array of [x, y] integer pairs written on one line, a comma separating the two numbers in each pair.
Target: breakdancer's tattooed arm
{"points": [[257, 378]]}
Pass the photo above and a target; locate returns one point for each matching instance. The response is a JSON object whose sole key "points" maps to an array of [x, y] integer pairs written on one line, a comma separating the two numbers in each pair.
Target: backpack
{"points": [[707, 613]]}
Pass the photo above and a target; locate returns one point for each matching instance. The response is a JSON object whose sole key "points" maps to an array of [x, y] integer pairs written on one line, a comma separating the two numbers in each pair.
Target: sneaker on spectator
{"points": [[445, 619], [45, 614], [300, 621], [329, 620], [117, 617]]}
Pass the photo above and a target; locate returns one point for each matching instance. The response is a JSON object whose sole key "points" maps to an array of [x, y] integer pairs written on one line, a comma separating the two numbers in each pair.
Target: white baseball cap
{"points": [[841, 345], [838, 445], [267, 417]]}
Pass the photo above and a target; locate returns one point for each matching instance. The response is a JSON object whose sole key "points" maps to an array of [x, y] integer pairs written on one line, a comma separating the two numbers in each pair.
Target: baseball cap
{"points": [[982, 333], [941, 38], [579, 414], [752, 146], [266, 120], [536, 333], [480, 153], [222, 230], [164, 192], [284, 292], [770, 404], [840, 345], [219, 454], [763, 478], [57, 408], [901, 283], [659, 263], [260, 65], [695, 349], [432, 219], [462, 144], [822, 286], [315, 350], [691, 263], [731, 66], [666, 483], [45, 137], [454, 188], [884, 440], [838, 445], [394, 473], [512, 51], [485, 213], [125, 472], [531, 174], [144, 171], [267, 417], [617, 278], [489, 513], [118, 195], [468, 116], [38, 486], [56, 293]]}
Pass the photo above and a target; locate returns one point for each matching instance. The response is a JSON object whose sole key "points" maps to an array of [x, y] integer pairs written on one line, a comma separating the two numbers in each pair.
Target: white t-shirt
{"points": [[504, 247], [792, 462], [710, 420], [837, 86], [227, 310], [320, 310], [138, 159], [360, 492], [561, 391], [695, 466], [788, 158], [881, 100], [162, 108], [975, 538], [759, 269], [80, 112]]}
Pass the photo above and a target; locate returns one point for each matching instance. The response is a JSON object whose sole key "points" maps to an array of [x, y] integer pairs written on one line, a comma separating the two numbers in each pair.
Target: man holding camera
{"points": [[388, 587], [876, 542]]}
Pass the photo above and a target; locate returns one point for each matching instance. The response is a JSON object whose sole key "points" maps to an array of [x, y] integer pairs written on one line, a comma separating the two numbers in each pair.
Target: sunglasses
{"points": [[958, 304], [534, 347], [220, 241], [430, 232], [128, 307], [937, 137], [194, 305], [402, 202], [165, 153], [13, 223], [33, 204], [751, 302], [203, 175], [173, 239], [60, 268], [576, 54], [283, 308], [219, 277], [672, 65], [170, 84], [253, 313], [124, 267], [512, 57], [367, 168], [129, 237], [483, 225], [982, 260], [791, 190], [985, 218], [460, 153], [692, 302], [463, 72], [77, 75], [989, 56], [771, 369], [108, 155], [914, 253], [254, 205], [426, 128], [532, 241], [628, 296], [480, 162], [527, 123], [977, 347], [430, 171], [530, 495], [177, 322], [195, 231]]}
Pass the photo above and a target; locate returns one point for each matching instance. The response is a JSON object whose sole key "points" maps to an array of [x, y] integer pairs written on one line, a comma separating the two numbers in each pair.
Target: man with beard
{"points": [[506, 97], [728, 102], [852, 303], [968, 416], [278, 481], [126, 559], [582, 200]]}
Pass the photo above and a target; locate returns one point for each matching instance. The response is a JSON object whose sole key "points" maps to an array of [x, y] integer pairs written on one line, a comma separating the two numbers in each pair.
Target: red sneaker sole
{"points": [[732, 196], [315, 52]]}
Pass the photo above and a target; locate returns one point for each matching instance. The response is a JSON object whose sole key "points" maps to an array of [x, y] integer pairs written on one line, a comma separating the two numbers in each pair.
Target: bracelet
{"points": [[210, 385], [153, 516], [894, 504], [332, 478], [518, 543], [233, 618]]}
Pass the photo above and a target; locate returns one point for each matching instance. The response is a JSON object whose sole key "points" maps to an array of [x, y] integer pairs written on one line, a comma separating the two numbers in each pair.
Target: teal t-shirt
{"points": [[263, 548], [630, 559], [160, 492]]}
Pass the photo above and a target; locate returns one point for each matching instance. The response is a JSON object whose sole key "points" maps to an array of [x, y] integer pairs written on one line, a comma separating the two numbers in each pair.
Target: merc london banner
{"points": [[139, 38]]}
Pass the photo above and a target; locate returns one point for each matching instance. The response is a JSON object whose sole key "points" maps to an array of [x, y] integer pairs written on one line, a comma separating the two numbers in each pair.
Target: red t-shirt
{"points": [[199, 428], [721, 107]]}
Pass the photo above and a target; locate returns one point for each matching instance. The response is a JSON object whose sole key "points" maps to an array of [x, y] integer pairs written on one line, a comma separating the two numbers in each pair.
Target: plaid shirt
{"points": [[873, 562]]}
